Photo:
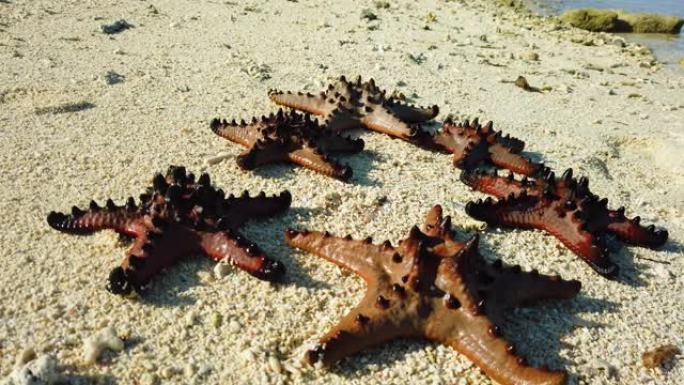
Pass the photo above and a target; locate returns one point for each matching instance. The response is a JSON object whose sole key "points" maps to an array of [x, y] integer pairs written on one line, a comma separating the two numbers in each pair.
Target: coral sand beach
{"points": [[97, 96]]}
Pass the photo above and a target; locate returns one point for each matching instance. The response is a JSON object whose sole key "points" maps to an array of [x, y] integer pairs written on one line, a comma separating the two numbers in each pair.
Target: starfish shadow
{"points": [[534, 156], [76, 378], [620, 255], [673, 246], [170, 288], [295, 274], [362, 164], [274, 171], [541, 344], [630, 269]]}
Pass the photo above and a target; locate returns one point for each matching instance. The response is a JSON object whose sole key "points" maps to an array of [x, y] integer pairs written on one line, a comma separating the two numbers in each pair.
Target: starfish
{"points": [[563, 207], [347, 105], [473, 144], [291, 138], [175, 218], [432, 286]]}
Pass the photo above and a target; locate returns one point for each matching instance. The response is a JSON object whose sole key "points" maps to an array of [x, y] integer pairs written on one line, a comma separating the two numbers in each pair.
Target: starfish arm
{"points": [[631, 232], [514, 288], [530, 212], [313, 104], [445, 142], [432, 224], [503, 157], [123, 220], [380, 119], [241, 133], [492, 184], [339, 143], [361, 257], [263, 152], [314, 160], [241, 209], [435, 226], [476, 338], [156, 249], [239, 251], [413, 114], [514, 144], [365, 326]]}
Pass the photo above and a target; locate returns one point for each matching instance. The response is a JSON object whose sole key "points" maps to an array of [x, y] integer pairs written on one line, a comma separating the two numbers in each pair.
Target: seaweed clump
{"points": [[606, 20]]}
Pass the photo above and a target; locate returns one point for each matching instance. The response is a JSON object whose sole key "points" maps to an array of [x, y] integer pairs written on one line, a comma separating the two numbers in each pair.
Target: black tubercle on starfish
{"points": [[288, 137], [178, 217]]}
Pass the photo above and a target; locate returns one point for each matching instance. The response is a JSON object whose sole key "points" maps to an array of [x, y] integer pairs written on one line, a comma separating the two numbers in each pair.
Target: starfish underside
{"points": [[291, 138], [565, 208], [432, 286], [178, 217], [473, 145], [348, 105]]}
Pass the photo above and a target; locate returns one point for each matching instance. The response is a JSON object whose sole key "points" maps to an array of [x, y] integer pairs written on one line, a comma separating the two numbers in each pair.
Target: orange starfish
{"points": [[434, 287]]}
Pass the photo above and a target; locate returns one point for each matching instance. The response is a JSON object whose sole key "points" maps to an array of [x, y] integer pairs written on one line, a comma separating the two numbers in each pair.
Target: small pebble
{"points": [[27, 355], [191, 318], [657, 357], [149, 379], [234, 326], [96, 344], [189, 370], [216, 320], [115, 27], [40, 371], [529, 56], [274, 365], [217, 159], [167, 372], [222, 269]]}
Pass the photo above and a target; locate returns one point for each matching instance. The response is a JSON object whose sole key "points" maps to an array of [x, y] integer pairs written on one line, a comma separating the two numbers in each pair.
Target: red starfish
{"points": [[291, 138], [473, 144], [176, 218], [435, 287], [563, 207], [346, 105]]}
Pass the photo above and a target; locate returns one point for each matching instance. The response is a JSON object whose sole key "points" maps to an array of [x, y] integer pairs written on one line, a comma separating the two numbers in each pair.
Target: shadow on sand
{"points": [[171, 287]]}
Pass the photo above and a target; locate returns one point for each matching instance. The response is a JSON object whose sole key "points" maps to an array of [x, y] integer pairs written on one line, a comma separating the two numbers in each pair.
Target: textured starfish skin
{"points": [[565, 208], [437, 288], [178, 217], [347, 105], [473, 144], [293, 138]]}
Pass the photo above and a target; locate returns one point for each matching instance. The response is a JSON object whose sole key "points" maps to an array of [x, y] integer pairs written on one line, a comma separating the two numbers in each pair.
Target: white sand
{"points": [[192, 61]]}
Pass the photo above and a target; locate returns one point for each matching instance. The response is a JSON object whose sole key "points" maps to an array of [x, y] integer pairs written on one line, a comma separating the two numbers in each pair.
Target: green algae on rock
{"points": [[606, 20], [591, 19]]}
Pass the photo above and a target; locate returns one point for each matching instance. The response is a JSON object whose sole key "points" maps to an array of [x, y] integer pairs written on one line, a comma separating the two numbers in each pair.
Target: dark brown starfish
{"points": [[291, 138], [563, 207], [178, 217], [473, 144], [347, 105], [435, 287]]}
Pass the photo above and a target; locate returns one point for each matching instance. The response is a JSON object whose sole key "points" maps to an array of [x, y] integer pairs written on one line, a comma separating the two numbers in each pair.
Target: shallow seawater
{"points": [[667, 48]]}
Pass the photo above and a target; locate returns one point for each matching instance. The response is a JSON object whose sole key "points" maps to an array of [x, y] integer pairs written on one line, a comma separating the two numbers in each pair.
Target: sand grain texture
{"points": [[184, 63]]}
